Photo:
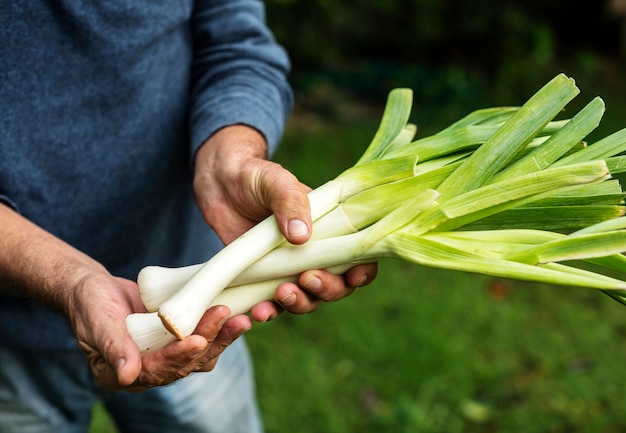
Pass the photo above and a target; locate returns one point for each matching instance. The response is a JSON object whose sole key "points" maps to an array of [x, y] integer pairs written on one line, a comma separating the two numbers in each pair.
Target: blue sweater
{"points": [[102, 106]]}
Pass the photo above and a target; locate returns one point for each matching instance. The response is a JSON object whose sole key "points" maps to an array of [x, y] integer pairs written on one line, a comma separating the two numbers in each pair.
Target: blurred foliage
{"points": [[503, 49]]}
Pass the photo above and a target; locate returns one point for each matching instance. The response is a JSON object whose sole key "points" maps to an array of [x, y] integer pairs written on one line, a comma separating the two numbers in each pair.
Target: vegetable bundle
{"points": [[505, 191]]}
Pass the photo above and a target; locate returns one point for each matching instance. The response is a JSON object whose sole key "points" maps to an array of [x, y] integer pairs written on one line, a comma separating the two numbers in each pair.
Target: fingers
{"points": [[295, 300], [98, 320], [128, 364], [217, 330], [288, 200], [330, 287], [171, 363], [361, 275], [266, 311], [114, 371], [313, 288], [196, 353], [117, 366], [232, 329]]}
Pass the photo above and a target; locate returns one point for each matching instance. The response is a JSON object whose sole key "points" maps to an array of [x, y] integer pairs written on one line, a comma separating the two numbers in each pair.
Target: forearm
{"points": [[38, 265]]}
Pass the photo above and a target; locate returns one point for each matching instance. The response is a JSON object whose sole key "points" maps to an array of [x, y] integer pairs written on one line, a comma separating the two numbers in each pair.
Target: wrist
{"points": [[231, 144]]}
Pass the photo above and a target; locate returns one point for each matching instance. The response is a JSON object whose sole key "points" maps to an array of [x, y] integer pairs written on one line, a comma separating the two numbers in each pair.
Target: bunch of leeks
{"points": [[506, 191]]}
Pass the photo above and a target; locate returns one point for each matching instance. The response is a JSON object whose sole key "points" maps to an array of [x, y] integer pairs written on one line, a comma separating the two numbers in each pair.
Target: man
{"points": [[128, 128]]}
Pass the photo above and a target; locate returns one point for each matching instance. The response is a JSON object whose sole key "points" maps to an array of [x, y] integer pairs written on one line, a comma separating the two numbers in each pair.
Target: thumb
{"points": [[126, 362], [116, 366], [290, 204]]}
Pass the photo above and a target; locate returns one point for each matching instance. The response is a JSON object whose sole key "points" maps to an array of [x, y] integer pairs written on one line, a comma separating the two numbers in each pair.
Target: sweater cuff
{"points": [[10, 203], [237, 111]]}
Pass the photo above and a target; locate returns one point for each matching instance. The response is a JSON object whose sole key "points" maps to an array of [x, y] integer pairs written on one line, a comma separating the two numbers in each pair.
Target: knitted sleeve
{"points": [[239, 71]]}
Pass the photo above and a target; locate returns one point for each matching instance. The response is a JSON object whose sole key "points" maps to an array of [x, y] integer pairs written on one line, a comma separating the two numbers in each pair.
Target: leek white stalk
{"points": [[182, 311], [148, 332], [157, 284]]}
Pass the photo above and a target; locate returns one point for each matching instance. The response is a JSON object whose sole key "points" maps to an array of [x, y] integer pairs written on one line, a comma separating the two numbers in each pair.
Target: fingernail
{"points": [[222, 321], [313, 284], [288, 300], [196, 353], [297, 228], [362, 281], [120, 363]]}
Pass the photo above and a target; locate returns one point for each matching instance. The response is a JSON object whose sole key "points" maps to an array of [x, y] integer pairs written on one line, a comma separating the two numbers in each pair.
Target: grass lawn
{"points": [[433, 351], [424, 350]]}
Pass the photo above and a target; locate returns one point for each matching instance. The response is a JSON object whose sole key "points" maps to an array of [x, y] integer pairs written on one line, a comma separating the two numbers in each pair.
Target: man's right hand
{"points": [[100, 307], [37, 265]]}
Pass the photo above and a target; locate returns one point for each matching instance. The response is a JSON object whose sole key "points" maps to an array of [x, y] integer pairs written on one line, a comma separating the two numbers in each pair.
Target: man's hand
{"points": [[40, 266], [236, 187], [98, 309]]}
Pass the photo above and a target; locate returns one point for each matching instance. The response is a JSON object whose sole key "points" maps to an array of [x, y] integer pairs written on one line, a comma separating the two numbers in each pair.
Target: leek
{"points": [[505, 191]]}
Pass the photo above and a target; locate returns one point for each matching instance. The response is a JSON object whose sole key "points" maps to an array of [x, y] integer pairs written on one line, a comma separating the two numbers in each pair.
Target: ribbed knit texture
{"points": [[102, 106]]}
